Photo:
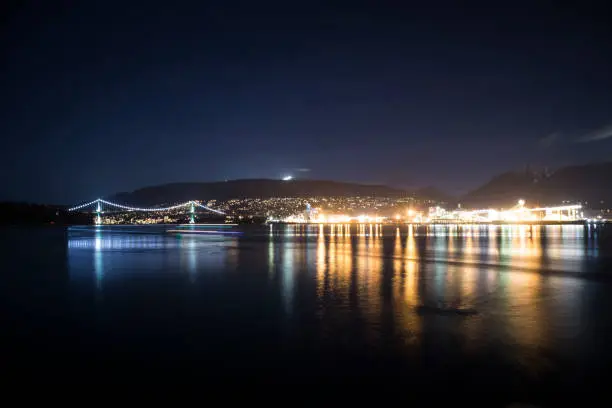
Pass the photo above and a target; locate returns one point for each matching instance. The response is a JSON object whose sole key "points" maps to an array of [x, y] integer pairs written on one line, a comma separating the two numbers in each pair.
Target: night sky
{"points": [[102, 96]]}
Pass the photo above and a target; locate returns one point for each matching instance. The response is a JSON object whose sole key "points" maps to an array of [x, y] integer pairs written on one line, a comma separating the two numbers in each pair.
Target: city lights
{"points": [[336, 210], [519, 213], [516, 214]]}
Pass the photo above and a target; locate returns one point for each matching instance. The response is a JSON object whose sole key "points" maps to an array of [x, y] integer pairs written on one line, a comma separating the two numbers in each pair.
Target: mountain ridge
{"points": [[590, 184], [252, 188]]}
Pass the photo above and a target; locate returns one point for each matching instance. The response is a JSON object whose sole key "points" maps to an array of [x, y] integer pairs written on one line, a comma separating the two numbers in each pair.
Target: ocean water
{"points": [[316, 306]]}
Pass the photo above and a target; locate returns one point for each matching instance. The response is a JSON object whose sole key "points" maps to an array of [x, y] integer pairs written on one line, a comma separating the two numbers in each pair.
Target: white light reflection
{"points": [[117, 253], [191, 259], [271, 256], [288, 271], [98, 262]]}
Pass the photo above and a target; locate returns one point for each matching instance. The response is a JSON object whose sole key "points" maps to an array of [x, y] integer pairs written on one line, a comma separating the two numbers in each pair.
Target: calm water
{"points": [[317, 305]]}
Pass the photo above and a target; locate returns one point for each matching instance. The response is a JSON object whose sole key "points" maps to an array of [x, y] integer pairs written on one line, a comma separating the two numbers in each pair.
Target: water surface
{"points": [[314, 304]]}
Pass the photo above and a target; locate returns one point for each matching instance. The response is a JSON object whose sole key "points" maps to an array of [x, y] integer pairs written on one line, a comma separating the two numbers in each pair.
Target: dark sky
{"points": [[103, 96]]}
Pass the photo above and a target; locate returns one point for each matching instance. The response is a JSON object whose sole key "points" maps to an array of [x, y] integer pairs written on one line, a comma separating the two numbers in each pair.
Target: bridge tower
{"points": [[98, 219], [192, 214]]}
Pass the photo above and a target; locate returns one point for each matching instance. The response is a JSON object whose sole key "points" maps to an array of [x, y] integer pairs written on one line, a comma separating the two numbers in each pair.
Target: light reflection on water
{"points": [[361, 284], [310, 300], [498, 270], [114, 254]]}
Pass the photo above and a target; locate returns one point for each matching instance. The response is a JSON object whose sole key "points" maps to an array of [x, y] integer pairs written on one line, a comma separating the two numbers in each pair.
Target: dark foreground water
{"points": [[315, 306]]}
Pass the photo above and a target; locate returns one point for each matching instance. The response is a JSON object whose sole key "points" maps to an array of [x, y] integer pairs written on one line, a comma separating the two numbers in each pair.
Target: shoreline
{"points": [[579, 222]]}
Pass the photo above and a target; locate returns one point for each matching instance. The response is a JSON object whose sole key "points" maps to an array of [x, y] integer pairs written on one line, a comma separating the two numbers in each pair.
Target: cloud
{"points": [[599, 134], [304, 170], [548, 141]]}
